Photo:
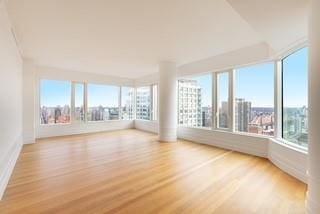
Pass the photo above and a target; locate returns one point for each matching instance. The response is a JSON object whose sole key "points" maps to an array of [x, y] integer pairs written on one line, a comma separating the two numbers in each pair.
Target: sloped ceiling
{"points": [[280, 23]]}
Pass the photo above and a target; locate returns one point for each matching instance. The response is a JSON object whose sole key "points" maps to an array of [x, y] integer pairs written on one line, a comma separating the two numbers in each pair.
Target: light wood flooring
{"points": [[128, 171]]}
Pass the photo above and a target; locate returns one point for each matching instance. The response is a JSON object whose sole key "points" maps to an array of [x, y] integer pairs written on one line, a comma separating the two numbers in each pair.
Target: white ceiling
{"points": [[281, 23], [127, 38]]}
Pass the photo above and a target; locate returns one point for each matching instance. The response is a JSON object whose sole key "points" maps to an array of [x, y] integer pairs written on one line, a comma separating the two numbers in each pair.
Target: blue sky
{"points": [[254, 83], [295, 76], [105, 95], [54, 93]]}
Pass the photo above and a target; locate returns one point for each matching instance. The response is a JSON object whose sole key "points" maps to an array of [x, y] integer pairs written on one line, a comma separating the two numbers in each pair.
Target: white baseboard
{"points": [[8, 165], [28, 137]]}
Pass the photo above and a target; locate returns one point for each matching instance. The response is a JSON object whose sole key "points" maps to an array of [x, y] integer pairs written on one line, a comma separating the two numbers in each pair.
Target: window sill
{"points": [[290, 145], [153, 121], [196, 127], [81, 123], [55, 124], [227, 131]]}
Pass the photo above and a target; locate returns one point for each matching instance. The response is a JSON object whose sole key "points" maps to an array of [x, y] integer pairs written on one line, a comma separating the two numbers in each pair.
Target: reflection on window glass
{"points": [[195, 101], [143, 103], [79, 102], [55, 101], [155, 102], [223, 100], [127, 102], [103, 102], [295, 94], [254, 99]]}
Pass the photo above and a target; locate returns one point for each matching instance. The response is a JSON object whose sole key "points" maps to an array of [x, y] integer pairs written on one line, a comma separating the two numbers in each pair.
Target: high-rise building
{"points": [[242, 114], [190, 112], [143, 107]]}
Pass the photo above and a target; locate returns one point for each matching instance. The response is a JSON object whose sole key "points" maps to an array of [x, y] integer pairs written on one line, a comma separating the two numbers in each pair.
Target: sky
{"points": [[256, 83], [253, 83], [296, 78], [54, 93]]}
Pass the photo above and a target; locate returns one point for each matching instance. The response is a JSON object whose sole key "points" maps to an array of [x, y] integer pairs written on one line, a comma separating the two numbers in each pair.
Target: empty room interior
{"points": [[160, 106]]}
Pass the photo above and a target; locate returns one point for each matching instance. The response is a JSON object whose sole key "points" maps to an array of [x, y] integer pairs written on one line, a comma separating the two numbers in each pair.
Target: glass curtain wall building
{"points": [[195, 101]]}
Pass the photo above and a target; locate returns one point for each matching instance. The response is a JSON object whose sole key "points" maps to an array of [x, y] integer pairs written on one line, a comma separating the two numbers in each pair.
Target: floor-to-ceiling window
{"points": [[195, 101], [55, 102], [254, 99], [143, 103], [127, 103], [295, 97], [223, 100], [103, 102], [79, 102], [155, 102]]}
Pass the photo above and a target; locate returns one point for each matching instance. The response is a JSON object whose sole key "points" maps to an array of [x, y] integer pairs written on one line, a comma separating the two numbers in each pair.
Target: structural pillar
{"points": [[29, 106], [167, 101], [313, 196]]}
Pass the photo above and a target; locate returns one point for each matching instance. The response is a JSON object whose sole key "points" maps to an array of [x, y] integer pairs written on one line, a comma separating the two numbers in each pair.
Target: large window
{"points": [[154, 102], [223, 100], [294, 96], [143, 103], [55, 102], [254, 99], [79, 112], [103, 102], [127, 103], [195, 101]]}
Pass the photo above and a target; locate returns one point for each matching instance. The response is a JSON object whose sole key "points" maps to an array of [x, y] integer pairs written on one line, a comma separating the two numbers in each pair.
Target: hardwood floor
{"points": [[128, 171]]}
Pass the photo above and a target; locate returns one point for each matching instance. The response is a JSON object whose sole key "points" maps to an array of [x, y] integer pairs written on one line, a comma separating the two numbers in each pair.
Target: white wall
{"points": [[32, 93], [28, 101], [11, 99]]}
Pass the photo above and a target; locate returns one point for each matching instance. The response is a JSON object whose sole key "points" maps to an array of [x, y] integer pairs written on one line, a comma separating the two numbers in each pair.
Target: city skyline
{"points": [[263, 74]]}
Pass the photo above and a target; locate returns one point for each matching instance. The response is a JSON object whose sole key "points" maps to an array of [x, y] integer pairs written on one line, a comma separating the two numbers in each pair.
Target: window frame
{"points": [[87, 105], [280, 124], [275, 100], [212, 75], [230, 119], [133, 103], [38, 117], [152, 109], [73, 100]]}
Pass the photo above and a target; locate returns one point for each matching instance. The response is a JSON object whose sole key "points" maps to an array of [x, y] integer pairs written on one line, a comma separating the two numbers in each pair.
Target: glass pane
{"points": [[127, 102], [55, 101], [103, 102], [155, 102], [195, 101], [295, 98], [223, 100], [254, 99], [79, 102], [143, 103]]}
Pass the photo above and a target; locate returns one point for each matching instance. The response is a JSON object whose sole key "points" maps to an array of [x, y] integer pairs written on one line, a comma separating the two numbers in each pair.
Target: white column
{"points": [[167, 102], [313, 197], [28, 84]]}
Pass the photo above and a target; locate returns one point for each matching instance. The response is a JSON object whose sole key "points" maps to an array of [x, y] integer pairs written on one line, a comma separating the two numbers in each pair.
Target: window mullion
{"points": [[72, 114], [278, 99]]}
